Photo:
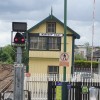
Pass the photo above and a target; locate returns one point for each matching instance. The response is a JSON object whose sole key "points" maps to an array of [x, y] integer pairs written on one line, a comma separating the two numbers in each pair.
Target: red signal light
{"points": [[19, 39], [16, 39], [22, 39]]}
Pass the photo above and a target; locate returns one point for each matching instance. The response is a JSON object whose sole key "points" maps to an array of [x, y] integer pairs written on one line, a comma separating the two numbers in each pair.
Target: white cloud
{"points": [[79, 16], [5, 33], [86, 31], [5, 39]]}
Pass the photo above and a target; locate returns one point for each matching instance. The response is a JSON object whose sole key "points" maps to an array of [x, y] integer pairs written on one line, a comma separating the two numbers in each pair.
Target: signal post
{"points": [[19, 44]]}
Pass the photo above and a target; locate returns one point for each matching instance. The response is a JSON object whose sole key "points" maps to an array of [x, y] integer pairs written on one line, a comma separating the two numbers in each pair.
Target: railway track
{"points": [[7, 83], [6, 86], [5, 90], [6, 78]]}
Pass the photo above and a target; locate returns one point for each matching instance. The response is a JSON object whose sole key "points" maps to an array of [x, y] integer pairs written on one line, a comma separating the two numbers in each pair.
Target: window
{"points": [[45, 43], [53, 43], [51, 27], [38, 43], [53, 69]]}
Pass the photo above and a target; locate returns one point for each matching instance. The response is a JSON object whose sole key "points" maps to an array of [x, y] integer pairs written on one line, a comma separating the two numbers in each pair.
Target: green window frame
{"points": [[45, 43]]}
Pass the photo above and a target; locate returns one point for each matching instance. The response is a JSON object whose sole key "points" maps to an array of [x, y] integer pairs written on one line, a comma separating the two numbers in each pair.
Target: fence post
{"points": [[0, 96], [64, 91], [78, 91], [50, 90]]}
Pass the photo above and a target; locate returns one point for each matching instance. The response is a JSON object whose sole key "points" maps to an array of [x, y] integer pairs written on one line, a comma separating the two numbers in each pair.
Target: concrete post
{"points": [[18, 76]]}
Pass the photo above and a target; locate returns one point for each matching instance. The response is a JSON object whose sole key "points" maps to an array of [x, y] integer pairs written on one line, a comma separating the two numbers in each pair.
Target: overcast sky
{"points": [[79, 16]]}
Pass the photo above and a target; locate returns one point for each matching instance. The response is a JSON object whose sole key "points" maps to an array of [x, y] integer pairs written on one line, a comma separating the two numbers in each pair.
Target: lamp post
{"points": [[65, 30], [64, 85]]}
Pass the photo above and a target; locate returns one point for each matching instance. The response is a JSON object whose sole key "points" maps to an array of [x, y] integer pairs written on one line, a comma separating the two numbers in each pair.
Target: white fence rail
{"points": [[38, 83]]}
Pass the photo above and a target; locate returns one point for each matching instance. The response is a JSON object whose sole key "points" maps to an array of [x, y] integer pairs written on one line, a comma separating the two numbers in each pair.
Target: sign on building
{"points": [[64, 59], [51, 34]]}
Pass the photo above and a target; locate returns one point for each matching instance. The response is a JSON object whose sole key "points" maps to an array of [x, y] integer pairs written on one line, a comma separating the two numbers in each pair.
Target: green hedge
{"points": [[85, 64]]}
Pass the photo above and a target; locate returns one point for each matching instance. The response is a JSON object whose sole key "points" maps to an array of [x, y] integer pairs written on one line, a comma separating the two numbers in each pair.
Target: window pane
{"points": [[49, 30], [53, 43], [38, 43], [42, 43], [33, 42], [53, 69], [51, 27]]}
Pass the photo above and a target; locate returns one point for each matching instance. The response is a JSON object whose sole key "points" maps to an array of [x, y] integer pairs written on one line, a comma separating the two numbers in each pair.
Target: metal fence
{"points": [[43, 86]]}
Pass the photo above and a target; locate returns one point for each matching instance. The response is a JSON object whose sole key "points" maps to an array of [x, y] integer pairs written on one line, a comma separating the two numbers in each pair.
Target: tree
{"points": [[79, 57], [88, 48], [7, 54]]}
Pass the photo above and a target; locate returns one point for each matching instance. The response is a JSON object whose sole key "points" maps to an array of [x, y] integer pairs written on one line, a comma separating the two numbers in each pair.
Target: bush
{"points": [[86, 64]]}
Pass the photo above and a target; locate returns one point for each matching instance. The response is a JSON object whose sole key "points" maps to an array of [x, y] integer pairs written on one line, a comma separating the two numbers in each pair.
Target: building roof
{"points": [[96, 54], [53, 18]]}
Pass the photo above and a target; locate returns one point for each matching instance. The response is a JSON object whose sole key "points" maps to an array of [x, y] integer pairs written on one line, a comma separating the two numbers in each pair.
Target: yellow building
{"points": [[46, 43]]}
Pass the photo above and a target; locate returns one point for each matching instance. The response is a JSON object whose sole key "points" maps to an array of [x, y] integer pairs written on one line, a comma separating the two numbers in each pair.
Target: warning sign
{"points": [[64, 59]]}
